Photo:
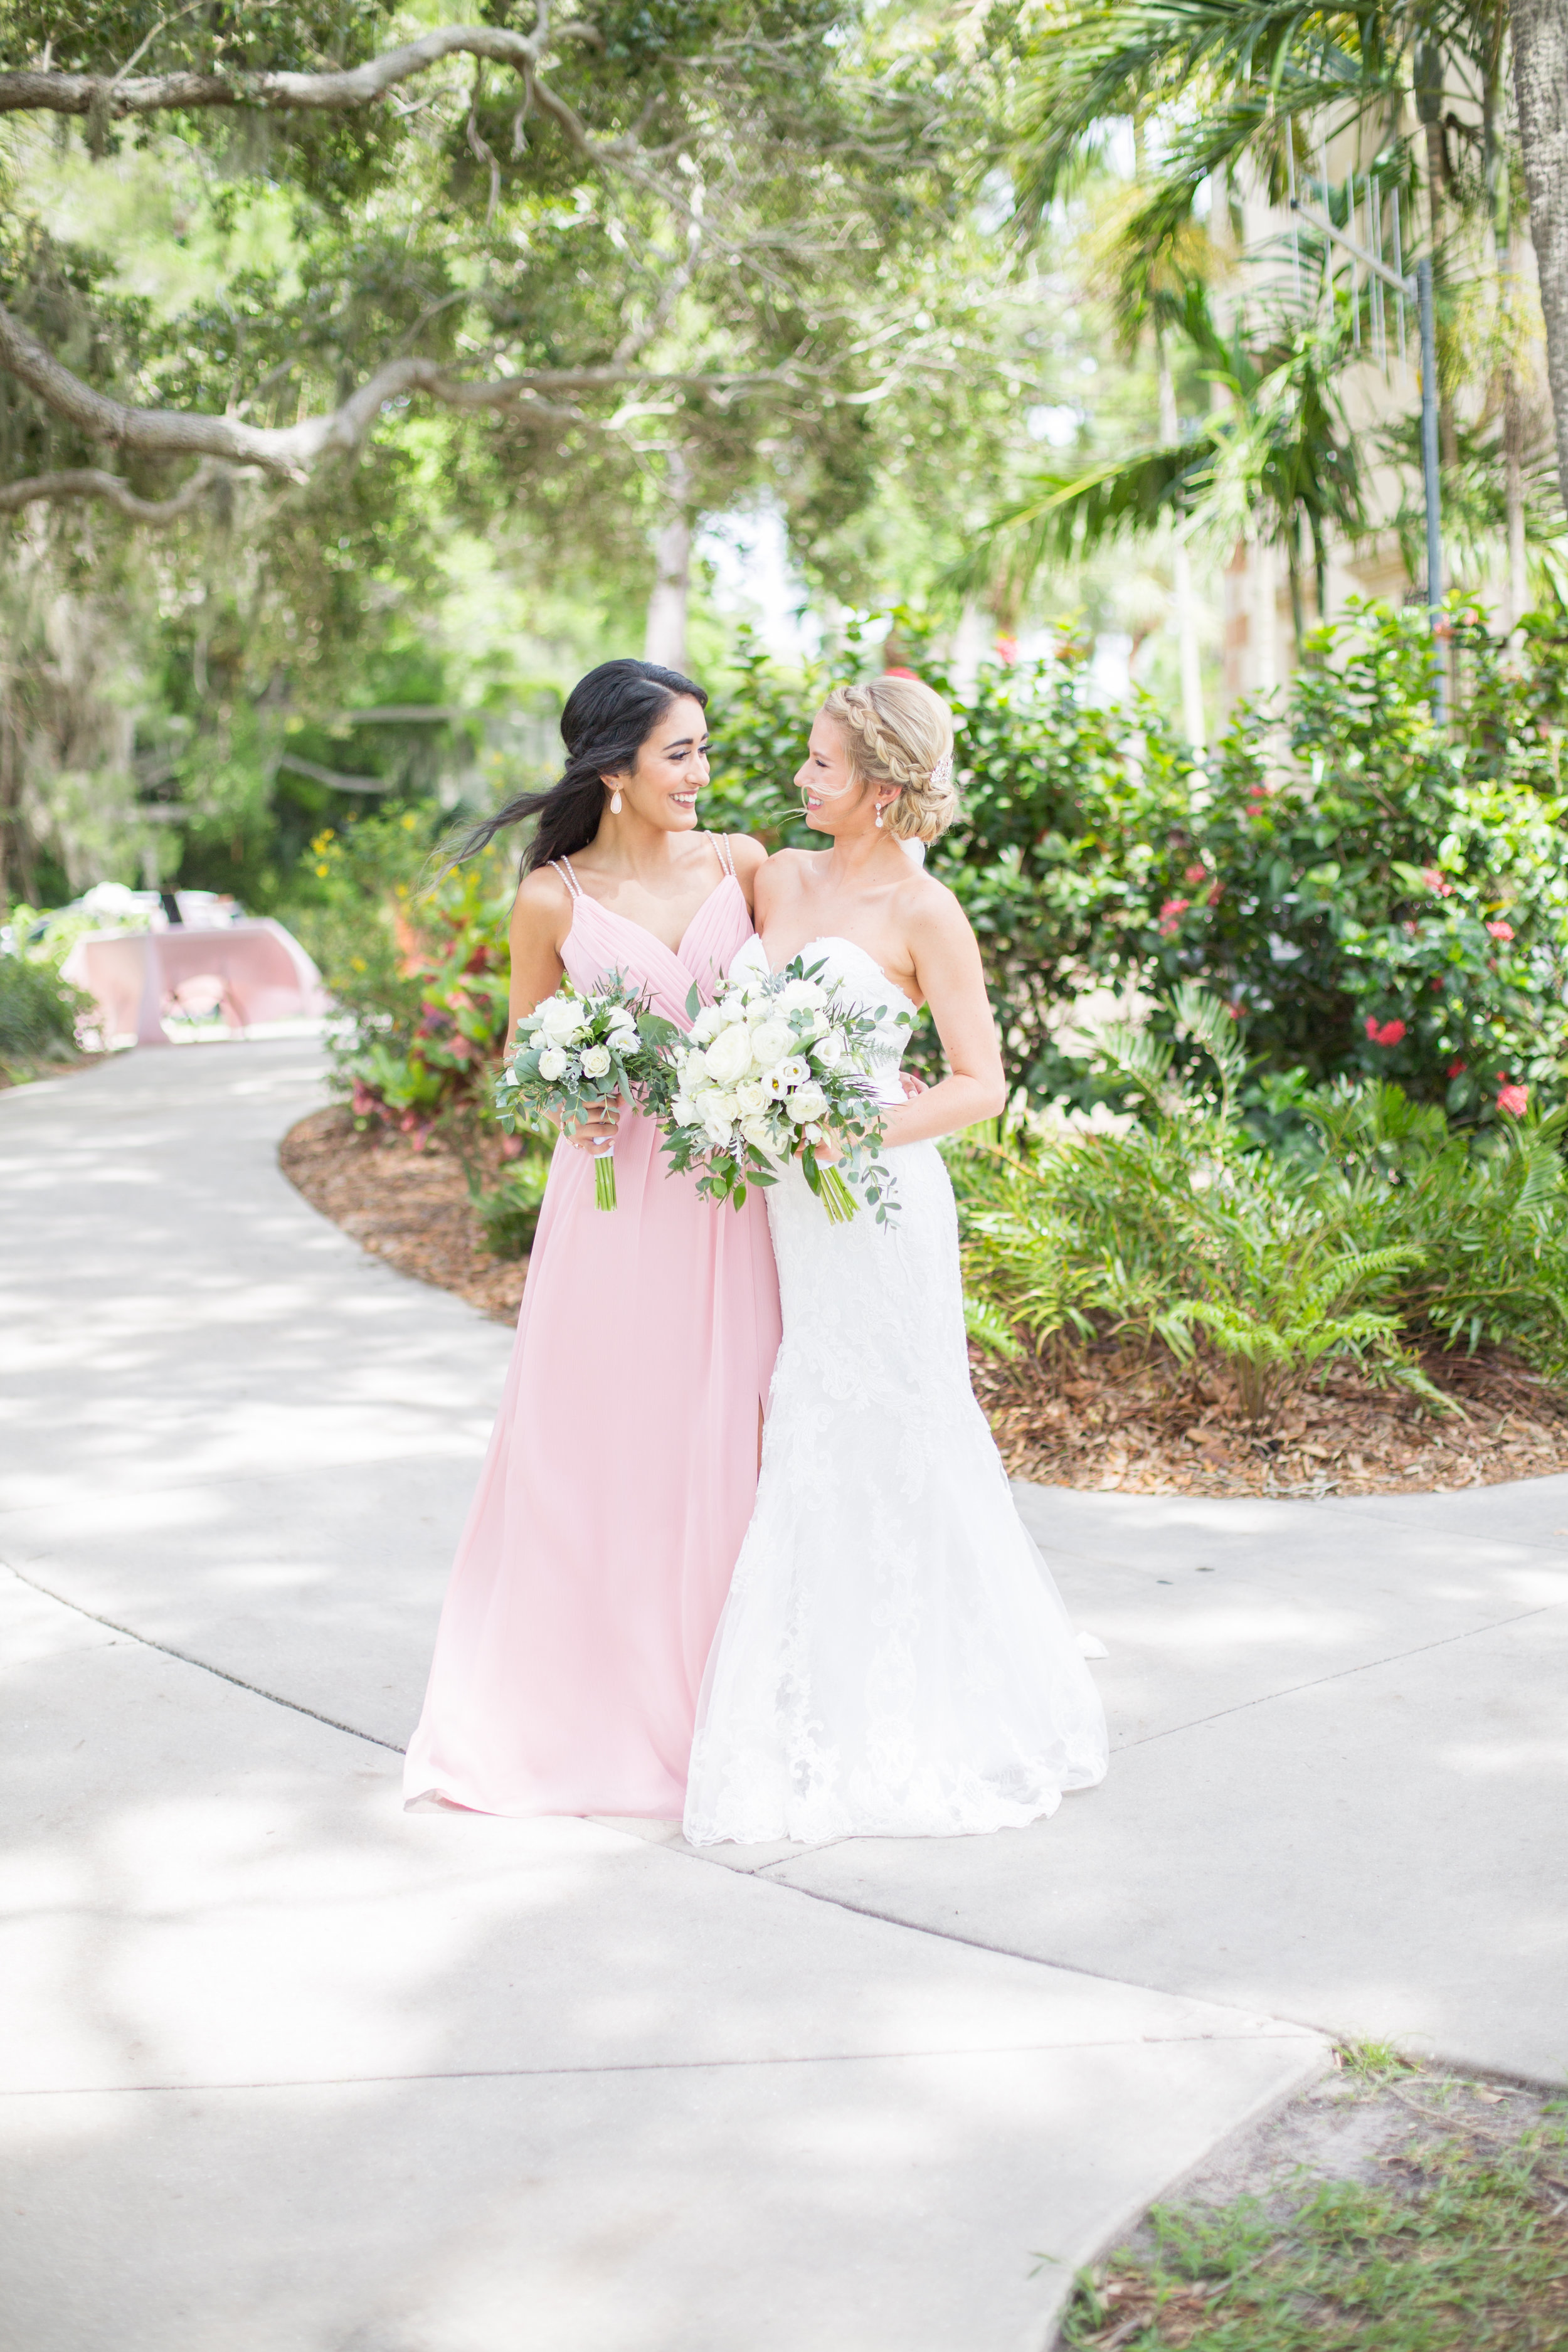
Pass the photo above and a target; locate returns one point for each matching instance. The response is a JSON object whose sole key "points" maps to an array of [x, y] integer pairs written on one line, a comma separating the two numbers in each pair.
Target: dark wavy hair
{"points": [[608, 717]]}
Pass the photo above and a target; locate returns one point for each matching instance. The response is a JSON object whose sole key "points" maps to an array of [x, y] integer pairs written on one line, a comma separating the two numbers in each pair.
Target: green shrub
{"points": [[415, 953], [38, 1013], [508, 1211], [1383, 1228], [1376, 898]]}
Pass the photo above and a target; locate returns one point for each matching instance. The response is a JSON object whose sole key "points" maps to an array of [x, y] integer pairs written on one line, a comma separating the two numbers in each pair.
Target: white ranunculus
{"points": [[561, 1018], [795, 1071], [828, 1050], [707, 1025], [757, 1131], [771, 1041], [728, 1057], [717, 1131], [693, 1069], [796, 994], [750, 1097], [596, 1062], [732, 1007], [621, 1034], [807, 1102], [552, 1064]]}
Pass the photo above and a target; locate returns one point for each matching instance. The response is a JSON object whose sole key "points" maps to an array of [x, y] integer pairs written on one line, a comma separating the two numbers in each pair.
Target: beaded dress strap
{"points": [[562, 866], [726, 854]]}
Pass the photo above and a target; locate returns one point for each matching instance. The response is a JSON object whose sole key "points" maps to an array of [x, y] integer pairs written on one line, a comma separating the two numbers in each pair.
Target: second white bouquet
{"points": [[771, 1069]]}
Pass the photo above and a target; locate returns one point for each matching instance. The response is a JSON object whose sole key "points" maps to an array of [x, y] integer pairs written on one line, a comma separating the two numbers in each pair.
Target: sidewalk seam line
{"points": [[671, 2065], [1340, 1674], [167, 1650]]}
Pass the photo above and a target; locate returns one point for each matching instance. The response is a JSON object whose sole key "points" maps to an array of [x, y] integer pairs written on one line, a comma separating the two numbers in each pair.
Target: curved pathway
{"points": [[288, 2068]]}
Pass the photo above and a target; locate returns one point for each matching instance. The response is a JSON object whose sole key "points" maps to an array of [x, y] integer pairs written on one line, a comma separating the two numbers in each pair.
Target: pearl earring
{"points": [[615, 803], [878, 817]]}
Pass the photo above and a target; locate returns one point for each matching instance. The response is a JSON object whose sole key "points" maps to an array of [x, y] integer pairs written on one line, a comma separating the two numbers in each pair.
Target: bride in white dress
{"points": [[894, 1659]]}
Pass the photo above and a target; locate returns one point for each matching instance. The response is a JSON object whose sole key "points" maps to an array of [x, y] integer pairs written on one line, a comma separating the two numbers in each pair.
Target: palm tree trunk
{"points": [[1181, 573], [1513, 497], [1298, 612], [1541, 86]]}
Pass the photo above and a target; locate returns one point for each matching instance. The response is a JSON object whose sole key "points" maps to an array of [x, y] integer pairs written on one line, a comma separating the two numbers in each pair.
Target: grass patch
{"points": [[1456, 2242]]}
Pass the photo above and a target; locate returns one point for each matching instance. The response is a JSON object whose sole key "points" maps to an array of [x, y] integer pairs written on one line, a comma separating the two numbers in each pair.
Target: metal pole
{"points": [[1430, 481]]}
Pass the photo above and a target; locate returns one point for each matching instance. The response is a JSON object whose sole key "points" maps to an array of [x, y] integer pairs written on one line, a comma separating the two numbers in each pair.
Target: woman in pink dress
{"points": [[623, 1466]]}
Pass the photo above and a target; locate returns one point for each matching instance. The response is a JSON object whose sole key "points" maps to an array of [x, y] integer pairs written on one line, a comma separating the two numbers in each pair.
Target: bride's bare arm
{"points": [[946, 958], [541, 916]]}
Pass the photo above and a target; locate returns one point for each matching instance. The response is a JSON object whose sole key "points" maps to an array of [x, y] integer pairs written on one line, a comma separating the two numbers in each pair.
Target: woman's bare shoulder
{"points": [[542, 903]]}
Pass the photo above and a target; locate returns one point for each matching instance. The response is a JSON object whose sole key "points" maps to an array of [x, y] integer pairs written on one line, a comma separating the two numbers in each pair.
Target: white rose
{"points": [[829, 1050], [796, 994], [794, 1072], [622, 1036], [731, 1007], [561, 1018], [758, 1131], [707, 1025], [750, 1097], [682, 1112], [771, 1041], [807, 1102], [596, 1062], [729, 1055], [551, 1063], [717, 1131]]}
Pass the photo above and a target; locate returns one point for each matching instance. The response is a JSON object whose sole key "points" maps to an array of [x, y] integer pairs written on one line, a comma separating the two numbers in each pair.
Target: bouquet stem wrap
{"points": [[605, 1177]]}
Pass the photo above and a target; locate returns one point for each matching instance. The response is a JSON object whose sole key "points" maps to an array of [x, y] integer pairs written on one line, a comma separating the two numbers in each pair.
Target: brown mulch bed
{"points": [[1098, 1419], [410, 1207], [1103, 1419]]}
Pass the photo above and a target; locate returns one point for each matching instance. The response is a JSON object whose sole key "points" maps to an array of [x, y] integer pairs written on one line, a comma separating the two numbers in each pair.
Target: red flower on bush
{"points": [[1501, 930], [1456, 1068], [1196, 874], [1212, 897], [1170, 915], [1386, 1032], [1436, 881], [1513, 1099]]}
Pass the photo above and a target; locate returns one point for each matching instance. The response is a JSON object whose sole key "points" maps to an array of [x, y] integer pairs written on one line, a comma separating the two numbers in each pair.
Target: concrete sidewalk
{"points": [[293, 2069]]}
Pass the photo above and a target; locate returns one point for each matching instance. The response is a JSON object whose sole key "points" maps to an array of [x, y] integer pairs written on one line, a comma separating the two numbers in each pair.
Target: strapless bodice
{"points": [[863, 983]]}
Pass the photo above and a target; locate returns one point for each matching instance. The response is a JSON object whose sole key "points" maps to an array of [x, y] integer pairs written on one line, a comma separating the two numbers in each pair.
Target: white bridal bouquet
{"points": [[572, 1051], [769, 1070]]}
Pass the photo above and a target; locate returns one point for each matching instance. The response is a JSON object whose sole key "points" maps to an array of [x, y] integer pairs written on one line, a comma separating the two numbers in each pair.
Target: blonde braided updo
{"points": [[898, 733]]}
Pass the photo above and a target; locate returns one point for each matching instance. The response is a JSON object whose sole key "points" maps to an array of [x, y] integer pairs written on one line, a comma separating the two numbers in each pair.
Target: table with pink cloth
{"points": [[263, 974]]}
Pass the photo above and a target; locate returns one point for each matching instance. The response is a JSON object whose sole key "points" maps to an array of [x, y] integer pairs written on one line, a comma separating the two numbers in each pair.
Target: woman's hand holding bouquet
{"points": [[574, 1053], [768, 1071]]}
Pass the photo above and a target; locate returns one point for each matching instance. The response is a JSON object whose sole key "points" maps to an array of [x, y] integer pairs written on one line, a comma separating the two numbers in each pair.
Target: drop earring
{"points": [[615, 803], [878, 817]]}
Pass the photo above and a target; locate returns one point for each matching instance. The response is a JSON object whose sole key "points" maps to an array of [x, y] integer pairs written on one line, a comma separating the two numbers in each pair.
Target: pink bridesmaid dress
{"points": [[623, 1466]]}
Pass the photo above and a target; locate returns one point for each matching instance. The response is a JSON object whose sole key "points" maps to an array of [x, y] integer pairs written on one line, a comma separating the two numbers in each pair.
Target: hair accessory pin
{"points": [[942, 774]]}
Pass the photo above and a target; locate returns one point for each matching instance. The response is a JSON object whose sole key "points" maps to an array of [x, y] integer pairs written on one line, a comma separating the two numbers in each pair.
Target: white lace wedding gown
{"points": [[893, 1659]]}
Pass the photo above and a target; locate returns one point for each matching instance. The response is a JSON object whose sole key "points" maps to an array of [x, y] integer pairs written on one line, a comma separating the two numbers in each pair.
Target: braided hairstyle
{"points": [[898, 733], [608, 717]]}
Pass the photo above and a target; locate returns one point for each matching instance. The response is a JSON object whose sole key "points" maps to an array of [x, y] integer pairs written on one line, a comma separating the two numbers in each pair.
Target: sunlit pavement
{"points": [[288, 2068]]}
